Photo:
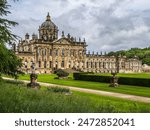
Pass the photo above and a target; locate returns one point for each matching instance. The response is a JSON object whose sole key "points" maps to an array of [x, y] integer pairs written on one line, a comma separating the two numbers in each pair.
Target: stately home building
{"points": [[46, 53]]}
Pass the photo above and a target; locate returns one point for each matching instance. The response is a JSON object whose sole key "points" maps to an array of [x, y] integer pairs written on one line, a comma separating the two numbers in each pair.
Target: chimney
{"points": [[27, 36]]}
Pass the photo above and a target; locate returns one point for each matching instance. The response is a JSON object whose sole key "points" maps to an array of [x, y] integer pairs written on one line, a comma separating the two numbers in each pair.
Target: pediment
{"points": [[63, 41]]}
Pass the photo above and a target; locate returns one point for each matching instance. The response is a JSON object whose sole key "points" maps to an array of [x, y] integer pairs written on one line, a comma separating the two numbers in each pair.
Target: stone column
{"points": [[42, 64], [84, 64], [59, 63], [110, 65], [28, 64], [80, 65]]}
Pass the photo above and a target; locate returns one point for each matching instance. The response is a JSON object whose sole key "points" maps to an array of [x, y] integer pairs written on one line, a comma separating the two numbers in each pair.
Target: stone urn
{"points": [[33, 79], [113, 80]]}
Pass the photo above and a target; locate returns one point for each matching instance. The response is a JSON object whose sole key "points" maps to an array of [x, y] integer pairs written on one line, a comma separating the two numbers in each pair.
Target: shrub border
{"points": [[106, 79]]}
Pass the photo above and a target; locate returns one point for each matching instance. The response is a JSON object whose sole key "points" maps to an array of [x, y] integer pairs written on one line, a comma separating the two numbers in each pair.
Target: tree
{"points": [[9, 63], [142, 54], [5, 25]]}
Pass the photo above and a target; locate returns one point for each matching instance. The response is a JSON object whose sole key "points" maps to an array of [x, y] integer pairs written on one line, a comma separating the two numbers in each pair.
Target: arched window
{"points": [[44, 64], [62, 63], [39, 64], [63, 52]]}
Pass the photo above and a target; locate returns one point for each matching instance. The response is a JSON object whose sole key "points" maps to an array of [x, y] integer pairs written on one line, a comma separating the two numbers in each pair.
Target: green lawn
{"points": [[134, 75], [17, 98], [50, 78]]}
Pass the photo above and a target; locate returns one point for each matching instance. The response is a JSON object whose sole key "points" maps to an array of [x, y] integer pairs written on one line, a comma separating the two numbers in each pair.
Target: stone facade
{"points": [[46, 53]]}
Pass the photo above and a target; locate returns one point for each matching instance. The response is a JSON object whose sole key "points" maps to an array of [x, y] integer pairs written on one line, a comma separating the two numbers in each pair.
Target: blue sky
{"points": [[107, 25]]}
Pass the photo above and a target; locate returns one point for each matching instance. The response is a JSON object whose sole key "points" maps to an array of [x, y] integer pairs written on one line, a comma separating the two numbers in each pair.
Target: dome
{"points": [[48, 23]]}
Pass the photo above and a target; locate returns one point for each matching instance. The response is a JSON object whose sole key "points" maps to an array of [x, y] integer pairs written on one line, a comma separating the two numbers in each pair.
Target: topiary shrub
{"points": [[61, 73]]}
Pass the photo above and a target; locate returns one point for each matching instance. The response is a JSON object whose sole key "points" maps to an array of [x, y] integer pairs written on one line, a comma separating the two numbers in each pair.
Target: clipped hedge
{"points": [[106, 79], [61, 73], [134, 81], [91, 77]]}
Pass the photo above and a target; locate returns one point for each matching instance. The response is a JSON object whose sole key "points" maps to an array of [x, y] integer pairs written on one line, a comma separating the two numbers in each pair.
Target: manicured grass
{"points": [[17, 98], [134, 75], [127, 89]]}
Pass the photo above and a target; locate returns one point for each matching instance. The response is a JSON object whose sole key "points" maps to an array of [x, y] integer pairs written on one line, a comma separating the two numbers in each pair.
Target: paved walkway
{"points": [[98, 92]]}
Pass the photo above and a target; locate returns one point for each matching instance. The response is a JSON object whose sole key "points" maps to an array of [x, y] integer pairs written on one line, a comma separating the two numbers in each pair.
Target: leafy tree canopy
{"points": [[142, 54], [9, 64]]}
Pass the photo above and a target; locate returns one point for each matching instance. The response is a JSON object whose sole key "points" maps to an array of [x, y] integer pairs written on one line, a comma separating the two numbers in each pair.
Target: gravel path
{"points": [[98, 92]]}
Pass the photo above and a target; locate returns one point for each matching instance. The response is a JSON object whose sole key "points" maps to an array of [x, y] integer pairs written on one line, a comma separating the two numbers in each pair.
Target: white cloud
{"points": [[107, 25]]}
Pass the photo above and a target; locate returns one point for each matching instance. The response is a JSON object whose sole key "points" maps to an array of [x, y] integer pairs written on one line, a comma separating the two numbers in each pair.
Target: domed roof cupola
{"points": [[48, 23], [48, 31]]}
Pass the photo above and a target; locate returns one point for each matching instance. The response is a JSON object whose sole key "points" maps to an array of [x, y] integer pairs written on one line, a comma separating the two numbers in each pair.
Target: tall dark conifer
{"points": [[9, 63]]}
